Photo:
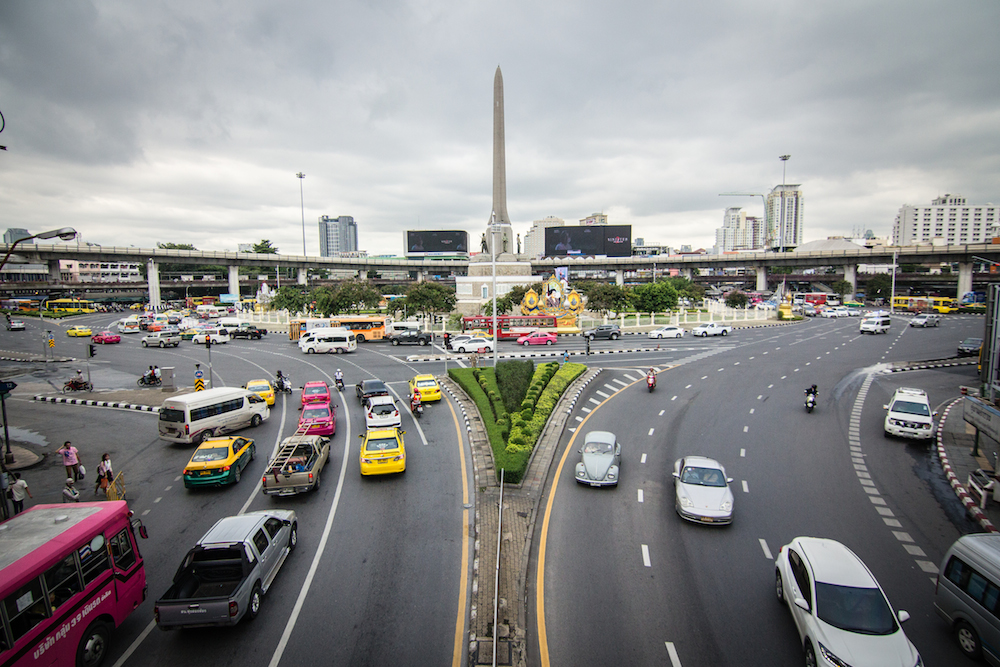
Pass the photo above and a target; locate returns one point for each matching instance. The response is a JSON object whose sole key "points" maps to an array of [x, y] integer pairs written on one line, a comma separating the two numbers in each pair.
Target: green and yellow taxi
{"points": [[219, 461], [79, 331], [382, 451], [262, 388], [428, 387]]}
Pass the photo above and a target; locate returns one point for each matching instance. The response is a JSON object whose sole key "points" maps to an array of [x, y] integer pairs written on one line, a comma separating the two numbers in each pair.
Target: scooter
{"points": [[417, 409], [651, 382], [283, 384], [149, 381], [340, 384], [74, 384], [810, 402]]}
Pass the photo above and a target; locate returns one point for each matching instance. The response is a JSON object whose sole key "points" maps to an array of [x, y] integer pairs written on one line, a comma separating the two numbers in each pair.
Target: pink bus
{"points": [[69, 575]]}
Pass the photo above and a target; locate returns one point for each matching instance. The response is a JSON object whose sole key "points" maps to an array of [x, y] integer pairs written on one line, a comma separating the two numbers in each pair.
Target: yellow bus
{"points": [[70, 306], [918, 304], [364, 327]]}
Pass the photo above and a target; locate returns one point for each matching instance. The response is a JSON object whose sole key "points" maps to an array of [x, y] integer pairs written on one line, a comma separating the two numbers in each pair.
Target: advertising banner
{"points": [[609, 240], [421, 243]]}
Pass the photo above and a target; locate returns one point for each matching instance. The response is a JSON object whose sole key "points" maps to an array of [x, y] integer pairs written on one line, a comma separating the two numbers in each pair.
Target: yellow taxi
{"points": [[382, 451], [429, 388], [79, 331], [262, 388], [219, 461]]}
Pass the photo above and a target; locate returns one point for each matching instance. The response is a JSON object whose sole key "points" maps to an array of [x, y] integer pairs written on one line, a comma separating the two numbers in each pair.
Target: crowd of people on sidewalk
{"points": [[17, 488]]}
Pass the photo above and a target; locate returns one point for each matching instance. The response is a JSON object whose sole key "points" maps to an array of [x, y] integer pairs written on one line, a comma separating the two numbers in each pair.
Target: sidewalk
{"points": [[955, 442]]}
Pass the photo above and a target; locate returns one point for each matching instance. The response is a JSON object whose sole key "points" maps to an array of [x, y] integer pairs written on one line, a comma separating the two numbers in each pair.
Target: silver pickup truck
{"points": [[297, 465], [224, 577]]}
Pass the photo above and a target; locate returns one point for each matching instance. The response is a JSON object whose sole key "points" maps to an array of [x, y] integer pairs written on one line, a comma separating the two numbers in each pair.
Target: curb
{"points": [[33, 361], [943, 363], [95, 404], [533, 355], [956, 485]]}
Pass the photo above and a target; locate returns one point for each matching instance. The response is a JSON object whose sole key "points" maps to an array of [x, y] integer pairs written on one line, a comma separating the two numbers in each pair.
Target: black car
{"points": [[609, 331], [368, 388], [411, 337], [970, 347], [247, 331]]}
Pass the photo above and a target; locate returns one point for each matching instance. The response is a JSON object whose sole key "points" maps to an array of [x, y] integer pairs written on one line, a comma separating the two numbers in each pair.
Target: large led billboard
{"points": [[610, 240], [443, 242]]}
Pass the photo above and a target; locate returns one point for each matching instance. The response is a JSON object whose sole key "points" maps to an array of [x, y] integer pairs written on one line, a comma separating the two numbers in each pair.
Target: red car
{"points": [[105, 337], [537, 338], [321, 418], [315, 392]]}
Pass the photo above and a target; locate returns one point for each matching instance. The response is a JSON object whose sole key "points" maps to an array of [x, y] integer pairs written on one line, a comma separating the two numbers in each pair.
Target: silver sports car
{"points": [[600, 461], [702, 492]]}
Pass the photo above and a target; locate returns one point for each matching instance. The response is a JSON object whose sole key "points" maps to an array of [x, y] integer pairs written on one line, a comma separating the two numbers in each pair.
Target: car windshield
{"points": [[375, 387], [861, 610], [911, 408], [258, 386], [316, 413], [171, 415], [381, 444], [973, 341], [210, 454], [597, 447], [426, 383], [316, 391], [703, 476]]}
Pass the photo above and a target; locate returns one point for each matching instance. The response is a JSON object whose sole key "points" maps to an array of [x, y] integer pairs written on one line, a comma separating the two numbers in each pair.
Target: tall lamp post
{"points": [[64, 234], [781, 232], [493, 259], [302, 203]]}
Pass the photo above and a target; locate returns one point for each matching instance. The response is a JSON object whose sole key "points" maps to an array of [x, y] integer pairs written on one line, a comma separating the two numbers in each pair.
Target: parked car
{"points": [[429, 388], [668, 331], [701, 491], [382, 451], [411, 337], [219, 461], [537, 338], [318, 419], [925, 320], [970, 347], [105, 337], [908, 415], [262, 388], [78, 331], [15, 325], [842, 615], [474, 344], [368, 388], [382, 412], [161, 339], [608, 331], [315, 391], [600, 459]]}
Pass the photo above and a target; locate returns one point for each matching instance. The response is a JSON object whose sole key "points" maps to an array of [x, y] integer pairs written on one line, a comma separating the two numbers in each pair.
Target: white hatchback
{"points": [[382, 412], [842, 614]]}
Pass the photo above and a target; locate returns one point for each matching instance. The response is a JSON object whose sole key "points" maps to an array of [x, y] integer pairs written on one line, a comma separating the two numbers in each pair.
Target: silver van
{"points": [[967, 595]]}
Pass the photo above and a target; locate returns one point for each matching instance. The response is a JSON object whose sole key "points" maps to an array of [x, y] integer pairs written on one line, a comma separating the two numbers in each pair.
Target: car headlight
{"points": [[831, 658], [686, 502], [726, 506]]}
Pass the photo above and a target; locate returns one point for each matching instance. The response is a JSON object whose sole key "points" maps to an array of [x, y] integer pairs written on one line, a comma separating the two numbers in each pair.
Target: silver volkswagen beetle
{"points": [[701, 490], [600, 460]]}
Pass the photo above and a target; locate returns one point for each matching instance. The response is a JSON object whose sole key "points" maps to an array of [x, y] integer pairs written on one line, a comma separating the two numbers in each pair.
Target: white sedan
{"points": [[668, 331], [701, 491], [840, 611], [474, 345]]}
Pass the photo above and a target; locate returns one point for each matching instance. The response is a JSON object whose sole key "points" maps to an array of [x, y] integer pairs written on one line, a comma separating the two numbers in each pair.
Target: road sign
{"points": [[52, 342], [199, 374], [199, 385], [7, 387]]}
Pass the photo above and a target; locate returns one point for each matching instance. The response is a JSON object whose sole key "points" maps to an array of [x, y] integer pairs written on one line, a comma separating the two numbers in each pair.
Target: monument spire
{"points": [[499, 215]]}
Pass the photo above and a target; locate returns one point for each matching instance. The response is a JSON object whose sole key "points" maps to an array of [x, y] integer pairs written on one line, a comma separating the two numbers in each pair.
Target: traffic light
{"points": [[208, 341], [93, 350]]}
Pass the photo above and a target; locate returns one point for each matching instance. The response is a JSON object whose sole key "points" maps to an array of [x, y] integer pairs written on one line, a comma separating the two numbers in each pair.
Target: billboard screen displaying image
{"points": [[610, 240], [444, 242]]}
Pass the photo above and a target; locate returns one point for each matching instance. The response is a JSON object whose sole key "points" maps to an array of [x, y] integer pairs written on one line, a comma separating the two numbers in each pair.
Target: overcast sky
{"points": [[186, 121]]}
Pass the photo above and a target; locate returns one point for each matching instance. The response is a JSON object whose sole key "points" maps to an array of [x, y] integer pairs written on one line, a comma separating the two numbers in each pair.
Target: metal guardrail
{"points": [[116, 489]]}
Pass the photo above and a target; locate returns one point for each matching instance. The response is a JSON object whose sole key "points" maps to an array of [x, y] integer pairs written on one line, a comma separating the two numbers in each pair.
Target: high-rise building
{"points": [[595, 219], [337, 235], [949, 219], [740, 231], [15, 234], [534, 240], [785, 211]]}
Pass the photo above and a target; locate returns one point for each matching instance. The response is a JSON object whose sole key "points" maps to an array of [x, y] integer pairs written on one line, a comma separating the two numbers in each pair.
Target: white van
{"points": [[229, 323], [330, 340], [397, 327], [965, 596], [874, 325], [202, 414], [307, 336], [216, 336]]}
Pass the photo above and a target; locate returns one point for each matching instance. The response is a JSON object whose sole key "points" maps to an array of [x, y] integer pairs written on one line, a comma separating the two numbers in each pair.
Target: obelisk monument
{"points": [[502, 229]]}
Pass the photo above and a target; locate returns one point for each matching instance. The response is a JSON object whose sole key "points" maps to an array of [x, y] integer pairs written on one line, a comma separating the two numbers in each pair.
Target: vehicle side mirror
{"points": [[935, 414], [286, 522], [361, 435], [579, 451], [801, 604], [402, 432], [729, 480], [677, 475], [885, 407], [903, 616]]}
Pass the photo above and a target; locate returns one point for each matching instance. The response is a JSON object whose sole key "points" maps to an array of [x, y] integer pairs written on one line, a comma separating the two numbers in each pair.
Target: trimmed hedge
{"points": [[513, 378]]}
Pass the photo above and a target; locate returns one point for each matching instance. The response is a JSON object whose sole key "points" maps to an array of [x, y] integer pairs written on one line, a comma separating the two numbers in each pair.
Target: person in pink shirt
{"points": [[71, 460]]}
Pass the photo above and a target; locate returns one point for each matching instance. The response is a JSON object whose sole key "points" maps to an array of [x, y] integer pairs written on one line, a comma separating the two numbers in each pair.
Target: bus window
{"points": [[122, 552], [25, 608], [93, 558], [63, 582]]}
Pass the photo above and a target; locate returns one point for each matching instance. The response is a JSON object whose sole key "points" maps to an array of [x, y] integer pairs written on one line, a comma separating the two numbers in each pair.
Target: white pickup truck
{"points": [[711, 329]]}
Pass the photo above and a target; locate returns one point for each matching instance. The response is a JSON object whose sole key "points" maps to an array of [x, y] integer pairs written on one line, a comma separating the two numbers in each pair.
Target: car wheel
{"points": [[968, 640], [310, 350], [590, 337], [93, 646], [659, 336], [810, 655], [421, 342], [253, 608], [253, 452], [548, 342], [614, 336], [361, 338], [725, 333], [200, 438], [395, 342], [319, 480], [144, 344], [525, 344], [255, 421], [237, 474], [886, 434], [779, 589], [161, 344], [293, 534], [462, 349]]}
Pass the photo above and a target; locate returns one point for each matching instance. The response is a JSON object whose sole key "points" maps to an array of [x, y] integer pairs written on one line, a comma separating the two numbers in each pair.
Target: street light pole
{"points": [[64, 233], [302, 203], [493, 257]]}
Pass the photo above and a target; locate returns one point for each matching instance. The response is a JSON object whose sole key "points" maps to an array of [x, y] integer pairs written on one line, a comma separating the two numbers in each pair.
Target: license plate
{"points": [[706, 519], [383, 460], [205, 472], [594, 484]]}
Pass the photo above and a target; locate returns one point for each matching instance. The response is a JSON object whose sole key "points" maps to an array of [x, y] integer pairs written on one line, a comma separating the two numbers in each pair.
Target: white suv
{"points": [[216, 336], [909, 415]]}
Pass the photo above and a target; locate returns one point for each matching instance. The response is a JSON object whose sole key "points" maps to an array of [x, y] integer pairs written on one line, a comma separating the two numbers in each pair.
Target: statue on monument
{"points": [[505, 242], [518, 244], [485, 248]]}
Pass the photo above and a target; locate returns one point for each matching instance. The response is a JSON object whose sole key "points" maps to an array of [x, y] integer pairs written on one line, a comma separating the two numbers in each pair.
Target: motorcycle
{"points": [[810, 402], [651, 382], [340, 384], [417, 409], [149, 381], [75, 384], [283, 385]]}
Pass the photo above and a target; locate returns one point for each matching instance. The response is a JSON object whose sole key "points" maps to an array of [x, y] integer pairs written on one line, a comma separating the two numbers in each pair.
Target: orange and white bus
{"points": [[364, 327], [69, 575]]}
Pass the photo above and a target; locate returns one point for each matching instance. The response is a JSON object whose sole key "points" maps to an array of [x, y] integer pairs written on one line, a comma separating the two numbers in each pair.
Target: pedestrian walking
{"points": [[70, 494], [565, 356], [105, 475], [71, 460], [17, 492]]}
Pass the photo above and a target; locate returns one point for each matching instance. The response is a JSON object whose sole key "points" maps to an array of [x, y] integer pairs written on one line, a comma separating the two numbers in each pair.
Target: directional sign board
{"points": [[7, 387]]}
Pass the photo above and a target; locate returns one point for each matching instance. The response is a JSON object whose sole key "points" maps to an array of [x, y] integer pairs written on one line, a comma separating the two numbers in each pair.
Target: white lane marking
{"points": [[138, 640], [640, 495], [743, 453], [760, 396], [752, 409], [672, 399], [751, 358], [573, 430], [650, 431], [783, 377], [736, 364], [630, 377], [688, 387], [675, 660], [746, 489], [704, 377], [661, 412], [579, 418], [770, 386], [645, 556], [601, 393], [158, 499], [594, 400], [169, 487], [178, 478], [746, 428], [585, 409], [720, 370], [643, 459], [611, 387], [145, 512], [767, 552], [622, 383], [416, 422]]}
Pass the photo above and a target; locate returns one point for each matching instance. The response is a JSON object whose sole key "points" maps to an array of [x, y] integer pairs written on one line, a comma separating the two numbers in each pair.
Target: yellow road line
{"points": [[463, 585]]}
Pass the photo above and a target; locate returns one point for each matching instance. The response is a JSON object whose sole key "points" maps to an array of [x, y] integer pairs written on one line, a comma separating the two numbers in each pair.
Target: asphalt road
{"points": [[623, 580]]}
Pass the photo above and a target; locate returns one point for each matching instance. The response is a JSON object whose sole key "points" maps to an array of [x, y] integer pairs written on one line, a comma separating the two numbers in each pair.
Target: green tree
{"points": [[686, 289], [842, 287], [430, 298], [355, 295], [265, 248], [737, 300], [654, 297], [879, 286], [604, 298], [292, 299]]}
